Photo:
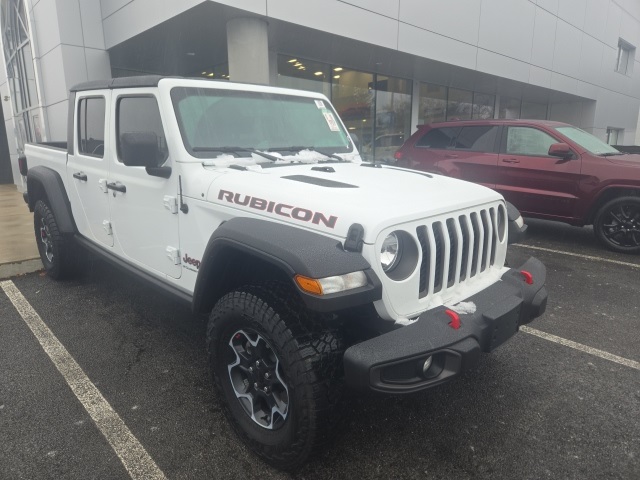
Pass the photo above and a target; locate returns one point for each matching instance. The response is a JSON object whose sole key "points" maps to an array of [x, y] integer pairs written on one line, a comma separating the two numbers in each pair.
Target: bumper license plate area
{"points": [[502, 323]]}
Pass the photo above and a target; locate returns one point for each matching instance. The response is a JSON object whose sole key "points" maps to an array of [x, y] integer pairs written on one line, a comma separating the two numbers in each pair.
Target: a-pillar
{"points": [[248, 50]]}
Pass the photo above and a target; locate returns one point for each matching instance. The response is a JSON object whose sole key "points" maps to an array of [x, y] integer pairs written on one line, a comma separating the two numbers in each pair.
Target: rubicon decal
{"points": [[289, 211], [191, 261]]}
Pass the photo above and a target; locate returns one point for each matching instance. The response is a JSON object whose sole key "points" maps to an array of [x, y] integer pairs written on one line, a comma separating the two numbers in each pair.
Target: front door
{"points": [[87, 169], [533, 181], [144, 211]]}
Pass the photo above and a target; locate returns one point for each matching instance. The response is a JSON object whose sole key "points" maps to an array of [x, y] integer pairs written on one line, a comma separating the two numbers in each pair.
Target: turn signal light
{"points": [[528, 278], [309, 285]]}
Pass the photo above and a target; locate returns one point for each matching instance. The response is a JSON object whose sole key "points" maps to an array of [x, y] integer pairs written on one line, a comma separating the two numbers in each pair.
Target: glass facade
{"points": [[533, 111], [20, 71], [459, 104], [433, 103], [509, 108], [439, 103], [376, 108]]}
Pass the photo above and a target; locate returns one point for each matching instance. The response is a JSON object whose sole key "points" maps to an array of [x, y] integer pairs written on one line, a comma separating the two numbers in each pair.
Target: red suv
{"points": [[546, 169]]}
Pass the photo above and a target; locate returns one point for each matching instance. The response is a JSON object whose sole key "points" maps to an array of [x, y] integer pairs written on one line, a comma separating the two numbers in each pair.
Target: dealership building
{"points": [[387, 65]]}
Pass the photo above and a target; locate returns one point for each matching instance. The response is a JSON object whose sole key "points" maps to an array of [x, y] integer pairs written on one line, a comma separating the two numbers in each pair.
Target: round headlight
{"points": [[390, 252]]}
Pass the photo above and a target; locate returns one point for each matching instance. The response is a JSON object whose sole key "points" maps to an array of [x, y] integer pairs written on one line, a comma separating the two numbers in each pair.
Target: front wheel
{"points": [[617, 225], [278, 372], [54, 248]]}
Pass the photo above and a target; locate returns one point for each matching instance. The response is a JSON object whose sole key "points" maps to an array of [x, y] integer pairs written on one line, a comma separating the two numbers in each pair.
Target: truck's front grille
{"points": [[456, 250]]}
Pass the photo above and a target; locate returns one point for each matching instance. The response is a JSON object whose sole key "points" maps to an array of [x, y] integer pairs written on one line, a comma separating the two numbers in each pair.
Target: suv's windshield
{"points": [[588, 141], [212, 119]]}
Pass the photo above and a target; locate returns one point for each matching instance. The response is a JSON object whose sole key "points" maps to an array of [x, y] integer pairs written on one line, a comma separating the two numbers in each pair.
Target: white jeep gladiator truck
{"points": [[319, 272]]}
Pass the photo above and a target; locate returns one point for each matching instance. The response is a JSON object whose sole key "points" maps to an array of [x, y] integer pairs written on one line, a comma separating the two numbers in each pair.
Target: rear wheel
{"points": [[617, 225], [278, 371], [54, 248]]}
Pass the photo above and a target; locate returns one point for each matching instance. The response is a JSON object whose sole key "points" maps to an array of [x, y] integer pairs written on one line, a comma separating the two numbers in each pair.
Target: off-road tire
{"points": [[310, 354], [619, 213], [56, 251]]}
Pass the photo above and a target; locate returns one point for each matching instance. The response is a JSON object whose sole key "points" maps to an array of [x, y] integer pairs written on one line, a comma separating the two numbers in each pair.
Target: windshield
{"points": [[587, 141], [216, 118]]}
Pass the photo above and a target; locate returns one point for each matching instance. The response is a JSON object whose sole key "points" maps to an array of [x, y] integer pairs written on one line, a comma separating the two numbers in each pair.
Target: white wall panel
{"points": [[506, 27], [550, 5], [595, 18], [566, 56], [11, 138], [75, 66], [459, 19], [630, 30], [590, 67], [92, 24], [587, 90], [502, 66], [7, 108], [110, 6], [54, 87], [45, 21], [544, 38], [614, 21], [98, 64], [539, 76], [563, 83], [436, 47], [57, 115], [69, 23], [573, 12], [388, 8]]}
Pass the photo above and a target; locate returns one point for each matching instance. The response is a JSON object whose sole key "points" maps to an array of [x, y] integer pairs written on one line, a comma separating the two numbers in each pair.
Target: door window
{"points": [[91, 126], [141, 115], [528, 141], [477, 139], [438, 138]]}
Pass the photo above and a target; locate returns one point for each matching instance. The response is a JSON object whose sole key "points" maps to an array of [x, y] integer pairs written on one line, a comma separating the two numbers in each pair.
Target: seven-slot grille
{"points": [[456, 249]]}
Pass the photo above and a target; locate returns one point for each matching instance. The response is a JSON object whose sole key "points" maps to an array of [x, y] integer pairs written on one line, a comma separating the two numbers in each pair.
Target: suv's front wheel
{"points": [[55, 249], [278, 371], [617, 225]]}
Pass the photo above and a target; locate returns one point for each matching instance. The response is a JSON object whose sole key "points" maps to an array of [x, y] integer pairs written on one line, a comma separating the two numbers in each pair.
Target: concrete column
{"points": [[248, 50]]}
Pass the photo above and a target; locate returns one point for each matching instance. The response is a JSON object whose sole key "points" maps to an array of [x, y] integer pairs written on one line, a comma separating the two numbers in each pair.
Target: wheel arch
{"points": [[243, 250], [46, 184], [605, 196]]}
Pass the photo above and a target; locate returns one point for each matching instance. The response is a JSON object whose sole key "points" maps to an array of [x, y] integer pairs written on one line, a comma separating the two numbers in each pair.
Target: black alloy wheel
{"points": [[55, 249], [617, 225]]}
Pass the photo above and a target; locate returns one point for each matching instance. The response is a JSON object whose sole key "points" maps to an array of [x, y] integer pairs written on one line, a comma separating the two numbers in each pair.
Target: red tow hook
{"points": [[455, 319], [528, 278]]}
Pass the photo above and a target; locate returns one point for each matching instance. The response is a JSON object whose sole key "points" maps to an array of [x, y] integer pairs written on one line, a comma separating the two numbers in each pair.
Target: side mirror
{"points": [[141, 149], [516, 225], [561, 150]]}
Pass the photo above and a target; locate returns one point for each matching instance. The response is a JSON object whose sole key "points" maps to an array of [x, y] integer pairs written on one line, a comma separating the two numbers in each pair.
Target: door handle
{"points": [[116, 186], [80, 176], [510, 160], [451, 155]]}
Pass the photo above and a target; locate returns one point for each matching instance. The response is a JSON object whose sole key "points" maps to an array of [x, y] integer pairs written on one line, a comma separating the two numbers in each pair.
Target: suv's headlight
{"points": [[399, 255], [390, 252]]}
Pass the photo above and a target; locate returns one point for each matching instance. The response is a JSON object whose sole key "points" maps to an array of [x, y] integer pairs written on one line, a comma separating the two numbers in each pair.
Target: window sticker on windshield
{"points": [[331, 121], [320, 104]]}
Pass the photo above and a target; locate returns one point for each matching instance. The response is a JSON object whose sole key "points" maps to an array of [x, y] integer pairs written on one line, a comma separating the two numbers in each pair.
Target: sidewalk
{"points": [[18, 250]]}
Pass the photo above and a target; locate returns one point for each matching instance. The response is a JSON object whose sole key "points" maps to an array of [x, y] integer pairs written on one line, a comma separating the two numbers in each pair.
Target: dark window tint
{"points": [[438, 138], [91, 126], [140, 115], [477, 139], [528, 141]]}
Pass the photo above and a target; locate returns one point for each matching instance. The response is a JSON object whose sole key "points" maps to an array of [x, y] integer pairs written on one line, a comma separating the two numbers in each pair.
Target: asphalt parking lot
{"points": [[534, 408]]}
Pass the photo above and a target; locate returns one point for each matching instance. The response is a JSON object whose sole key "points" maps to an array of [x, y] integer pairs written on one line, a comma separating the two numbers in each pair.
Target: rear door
{"points": [[87, 167], [474, 156], [433, 147], [144, 210], [533, 181]]}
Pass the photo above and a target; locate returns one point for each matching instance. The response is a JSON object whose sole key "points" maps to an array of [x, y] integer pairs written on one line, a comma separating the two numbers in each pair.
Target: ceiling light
{"points": [[204, 73], [211, 74], [336, 76], [352, 128], [318, 73], [297, 64], [337, 69], [190, 54], [364, 119], [293, 60]]}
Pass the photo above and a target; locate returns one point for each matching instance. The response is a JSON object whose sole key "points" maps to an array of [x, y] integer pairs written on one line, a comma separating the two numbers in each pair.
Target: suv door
{"points": [[87, 168], [533, 181], [474, 155], [144, 211], [432, 147]]}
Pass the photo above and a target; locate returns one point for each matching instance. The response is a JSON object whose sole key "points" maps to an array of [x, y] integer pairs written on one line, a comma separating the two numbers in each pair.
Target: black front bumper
{"points": [[394, 362]]}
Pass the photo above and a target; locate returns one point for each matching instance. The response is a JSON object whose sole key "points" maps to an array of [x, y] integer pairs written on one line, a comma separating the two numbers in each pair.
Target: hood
{"points": [[330, 197], [627, 160]]}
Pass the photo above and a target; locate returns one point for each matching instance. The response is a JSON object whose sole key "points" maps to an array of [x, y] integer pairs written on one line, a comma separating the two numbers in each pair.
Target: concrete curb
{"points": [[8, 270]]}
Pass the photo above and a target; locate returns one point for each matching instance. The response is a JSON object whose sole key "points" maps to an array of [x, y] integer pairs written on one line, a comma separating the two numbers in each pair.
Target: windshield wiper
{"points": [[298, 149], [235, 150]]}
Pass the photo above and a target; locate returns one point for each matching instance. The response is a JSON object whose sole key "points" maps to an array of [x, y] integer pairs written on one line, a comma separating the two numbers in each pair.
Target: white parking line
{"points": [[583, 348], [586, 257], [131, 453]]}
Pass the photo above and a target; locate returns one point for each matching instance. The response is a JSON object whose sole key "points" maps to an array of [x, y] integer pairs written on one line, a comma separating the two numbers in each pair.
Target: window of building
{"points": [[626, 54], [533, 110], [483, 106], [528, 141], [302, 74], [140, 114], [353, 95], [91, 113], [459, 104], [393, 115], [438, 138], [477, 139], [433, 103], [509, 108], [614, 135]]}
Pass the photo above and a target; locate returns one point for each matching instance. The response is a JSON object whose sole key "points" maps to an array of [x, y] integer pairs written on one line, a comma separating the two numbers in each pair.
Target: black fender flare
{"points": [[292, 251], [48, 181]]}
